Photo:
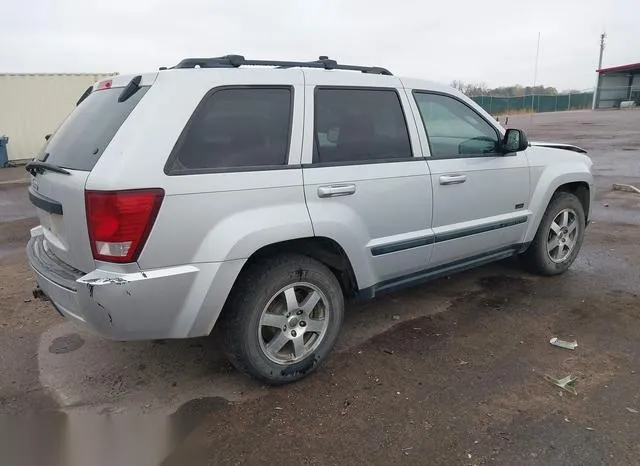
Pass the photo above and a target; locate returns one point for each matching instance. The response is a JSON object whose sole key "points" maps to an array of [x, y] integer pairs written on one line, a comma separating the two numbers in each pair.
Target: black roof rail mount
{"points": [[235, 61]]}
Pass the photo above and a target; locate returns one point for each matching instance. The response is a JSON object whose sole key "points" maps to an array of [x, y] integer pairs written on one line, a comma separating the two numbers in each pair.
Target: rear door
{"points": [[366, 185], [76, 147], [480, 195]]}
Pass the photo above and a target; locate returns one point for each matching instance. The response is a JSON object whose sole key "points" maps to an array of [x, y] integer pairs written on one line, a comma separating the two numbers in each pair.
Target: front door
{"points": [[364, 187], [480, 195]]}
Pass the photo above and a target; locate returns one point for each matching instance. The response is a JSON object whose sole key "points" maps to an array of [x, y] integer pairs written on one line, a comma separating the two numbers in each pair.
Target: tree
{"points": [[477, 89], [470, 89]]}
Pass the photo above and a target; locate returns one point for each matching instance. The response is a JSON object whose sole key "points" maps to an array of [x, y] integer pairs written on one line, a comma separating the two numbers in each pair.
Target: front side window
{"points": [[454, 129], [359, 125], [236, 128]]}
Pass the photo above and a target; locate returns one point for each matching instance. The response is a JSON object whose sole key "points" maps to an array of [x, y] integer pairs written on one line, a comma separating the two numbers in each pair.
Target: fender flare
{"points": [[546, 187]]}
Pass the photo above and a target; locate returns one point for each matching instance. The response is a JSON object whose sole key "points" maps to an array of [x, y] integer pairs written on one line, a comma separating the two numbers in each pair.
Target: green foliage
{"points": [[477, 89]]}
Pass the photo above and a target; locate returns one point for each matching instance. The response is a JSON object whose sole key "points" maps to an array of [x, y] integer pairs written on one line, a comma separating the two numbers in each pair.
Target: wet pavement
{"points": [[14, 203], [447, 373]]}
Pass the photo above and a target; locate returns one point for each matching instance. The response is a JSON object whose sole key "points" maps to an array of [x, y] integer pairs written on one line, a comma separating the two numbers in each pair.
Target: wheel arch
{"points": [[578, 183], [581, 190], [325, 250]]}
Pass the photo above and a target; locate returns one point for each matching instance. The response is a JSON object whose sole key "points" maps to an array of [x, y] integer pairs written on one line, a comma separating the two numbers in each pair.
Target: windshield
{"points": [[85, 134]]}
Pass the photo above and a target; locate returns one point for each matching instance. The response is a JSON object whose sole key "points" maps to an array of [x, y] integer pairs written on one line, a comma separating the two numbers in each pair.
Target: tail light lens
{"points": [[119, 222]]}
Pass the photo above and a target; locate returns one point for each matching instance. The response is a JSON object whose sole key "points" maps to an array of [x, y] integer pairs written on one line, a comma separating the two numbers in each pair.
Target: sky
{"points": [[491, 41]]}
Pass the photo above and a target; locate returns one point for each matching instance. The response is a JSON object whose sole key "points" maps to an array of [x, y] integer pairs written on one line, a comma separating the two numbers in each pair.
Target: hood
{"points": [[557, 145]]}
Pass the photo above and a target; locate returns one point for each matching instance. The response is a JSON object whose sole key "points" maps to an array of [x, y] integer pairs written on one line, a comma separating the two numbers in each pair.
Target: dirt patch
{"points": [[460, 387], [22, 319]]}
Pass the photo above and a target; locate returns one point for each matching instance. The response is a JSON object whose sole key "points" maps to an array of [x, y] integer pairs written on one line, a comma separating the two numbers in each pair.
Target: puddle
{"points": [[189, 415], [66, 344]]}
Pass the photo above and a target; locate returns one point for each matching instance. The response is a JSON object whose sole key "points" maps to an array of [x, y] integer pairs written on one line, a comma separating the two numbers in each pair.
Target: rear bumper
{"points": [[174, 302]]}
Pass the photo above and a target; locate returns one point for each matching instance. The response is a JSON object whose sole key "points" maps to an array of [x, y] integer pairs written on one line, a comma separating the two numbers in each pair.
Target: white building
{"points": [[34, 105]]}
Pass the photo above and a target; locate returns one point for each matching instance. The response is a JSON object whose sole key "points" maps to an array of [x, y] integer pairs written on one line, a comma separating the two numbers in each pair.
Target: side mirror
{"points": [[515, 140]]}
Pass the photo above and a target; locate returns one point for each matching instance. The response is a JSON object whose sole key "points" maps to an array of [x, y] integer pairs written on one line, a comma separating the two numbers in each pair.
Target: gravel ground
{"points": [[457, 379]]}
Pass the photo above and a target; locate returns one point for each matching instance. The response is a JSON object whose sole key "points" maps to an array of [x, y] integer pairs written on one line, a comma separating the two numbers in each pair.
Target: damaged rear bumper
{"points": [[138, 305]]}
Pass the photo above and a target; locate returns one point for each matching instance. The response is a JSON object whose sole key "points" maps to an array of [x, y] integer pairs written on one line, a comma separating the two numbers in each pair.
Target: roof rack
{"points": [[235, 61]]}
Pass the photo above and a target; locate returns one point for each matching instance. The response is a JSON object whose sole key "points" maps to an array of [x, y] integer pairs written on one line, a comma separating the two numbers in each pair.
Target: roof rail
{"points": [[235, 61]]}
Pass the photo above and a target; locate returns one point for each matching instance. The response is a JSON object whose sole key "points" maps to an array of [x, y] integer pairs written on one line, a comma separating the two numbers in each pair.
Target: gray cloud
{"points": [[492, 41]]}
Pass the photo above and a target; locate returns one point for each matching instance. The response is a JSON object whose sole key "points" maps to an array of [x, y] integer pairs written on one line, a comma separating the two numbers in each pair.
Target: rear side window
{"points": [[235, 128], [359, 125], [85, 134]]}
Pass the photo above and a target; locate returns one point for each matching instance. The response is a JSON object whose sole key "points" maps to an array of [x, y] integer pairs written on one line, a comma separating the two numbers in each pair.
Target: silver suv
{"points": [[259, 195]]}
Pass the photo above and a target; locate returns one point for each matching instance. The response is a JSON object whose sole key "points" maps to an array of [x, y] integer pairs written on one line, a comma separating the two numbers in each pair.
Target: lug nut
{"points": [[284, 329], [299, 312], [293, 333], [303, 323]]}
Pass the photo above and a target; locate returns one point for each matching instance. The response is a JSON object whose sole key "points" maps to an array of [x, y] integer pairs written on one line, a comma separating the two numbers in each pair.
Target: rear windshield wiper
{"points": [[35, 167]]}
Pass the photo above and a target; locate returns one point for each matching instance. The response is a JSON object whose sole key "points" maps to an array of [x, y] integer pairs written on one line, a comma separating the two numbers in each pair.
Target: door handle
{"points": [[336, 190], [452, 179]]}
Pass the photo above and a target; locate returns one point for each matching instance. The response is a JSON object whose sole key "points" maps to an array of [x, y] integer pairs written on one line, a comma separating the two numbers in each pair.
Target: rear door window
{"points": [[85, 134], [236, 128], [359, 125]]}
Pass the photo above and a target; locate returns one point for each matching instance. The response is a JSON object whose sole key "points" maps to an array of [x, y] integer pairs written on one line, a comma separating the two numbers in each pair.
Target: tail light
{"points": [[119, 222]]}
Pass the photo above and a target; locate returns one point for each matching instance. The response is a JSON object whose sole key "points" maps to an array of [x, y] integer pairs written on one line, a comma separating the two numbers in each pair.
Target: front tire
{"points": [[559, 236], [283, 318]]}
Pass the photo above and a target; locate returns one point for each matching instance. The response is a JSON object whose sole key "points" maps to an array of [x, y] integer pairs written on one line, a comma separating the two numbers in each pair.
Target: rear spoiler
{"points": [[557, 145]]}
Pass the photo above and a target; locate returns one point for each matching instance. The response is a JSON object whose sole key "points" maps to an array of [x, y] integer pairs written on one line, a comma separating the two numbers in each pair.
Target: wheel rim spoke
{"points": [[298, 347], [565, 218], [277, 343], [310, 302], [555, 227], [292, 301], [273, 320], [315, 326]]}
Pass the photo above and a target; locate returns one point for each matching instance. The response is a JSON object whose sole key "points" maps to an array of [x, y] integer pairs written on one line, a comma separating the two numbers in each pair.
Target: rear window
{"points": [[235, 128], [85, 134]]}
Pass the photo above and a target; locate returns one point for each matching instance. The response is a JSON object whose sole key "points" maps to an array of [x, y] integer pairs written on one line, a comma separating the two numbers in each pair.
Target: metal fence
{"points": [[534, 103]]}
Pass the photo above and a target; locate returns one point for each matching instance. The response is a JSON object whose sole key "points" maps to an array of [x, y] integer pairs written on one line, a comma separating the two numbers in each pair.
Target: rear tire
{"points": [[282, 319], [559, 236]]}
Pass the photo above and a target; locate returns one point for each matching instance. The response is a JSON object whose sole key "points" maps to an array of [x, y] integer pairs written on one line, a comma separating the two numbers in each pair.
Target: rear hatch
{"points": [[61, 170]]}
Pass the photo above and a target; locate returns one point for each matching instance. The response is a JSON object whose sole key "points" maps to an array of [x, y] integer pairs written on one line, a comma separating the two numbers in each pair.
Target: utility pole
{"points": [[603, 36], [596, 92], [535, 81]]}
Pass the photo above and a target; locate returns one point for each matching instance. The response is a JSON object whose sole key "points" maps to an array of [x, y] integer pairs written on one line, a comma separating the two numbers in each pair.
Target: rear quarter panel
{"points": [[209, 217]]}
